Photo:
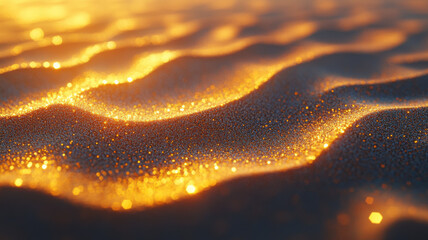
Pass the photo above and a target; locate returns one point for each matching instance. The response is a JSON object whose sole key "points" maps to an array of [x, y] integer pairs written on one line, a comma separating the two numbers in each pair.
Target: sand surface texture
{"points": [[214, 119]]}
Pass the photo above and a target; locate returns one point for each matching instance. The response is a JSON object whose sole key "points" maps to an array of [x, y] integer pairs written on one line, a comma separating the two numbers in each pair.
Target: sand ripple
{"points": [[148, 106]]}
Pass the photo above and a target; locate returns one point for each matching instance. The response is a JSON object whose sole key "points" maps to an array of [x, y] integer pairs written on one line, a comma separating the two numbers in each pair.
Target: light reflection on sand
{"points": [[136, 67]]}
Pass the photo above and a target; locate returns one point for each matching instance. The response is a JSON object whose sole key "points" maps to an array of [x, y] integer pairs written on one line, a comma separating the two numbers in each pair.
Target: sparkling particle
{"points": [[37, 34], [375, 217], [191, 189], [57, 40], [126, 204], [76, 191], [56, 65], [18, 182]]}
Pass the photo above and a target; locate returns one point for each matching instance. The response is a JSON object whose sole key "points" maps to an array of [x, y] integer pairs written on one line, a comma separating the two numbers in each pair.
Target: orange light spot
{"points": [[126, 204], [190, 189], [76, 191], [37, 34], [18, 182], [57, 40], [375, 217], [56, 65]]}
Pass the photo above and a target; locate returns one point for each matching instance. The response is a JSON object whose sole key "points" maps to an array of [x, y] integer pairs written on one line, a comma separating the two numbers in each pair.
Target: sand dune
{"points": [[286, 203]]}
